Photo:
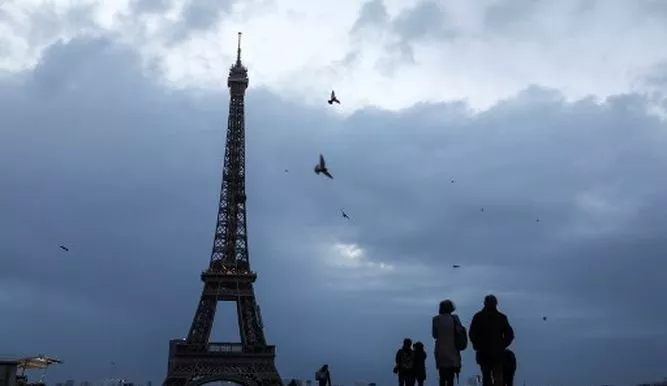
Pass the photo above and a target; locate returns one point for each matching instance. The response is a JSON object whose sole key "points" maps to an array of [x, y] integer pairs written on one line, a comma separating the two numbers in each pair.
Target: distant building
{"points": [[111, 382], [663, 383], [8, 369]]}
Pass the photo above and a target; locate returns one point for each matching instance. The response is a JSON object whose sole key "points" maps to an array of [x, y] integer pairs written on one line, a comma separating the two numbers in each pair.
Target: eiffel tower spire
{"points": [[238, 51], [238, 76]]}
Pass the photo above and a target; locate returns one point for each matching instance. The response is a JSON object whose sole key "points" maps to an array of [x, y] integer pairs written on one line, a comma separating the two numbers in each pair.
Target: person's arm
{"points": [[508, 333], [396, 367], [434, 330], [329, 378], [473, 332]]}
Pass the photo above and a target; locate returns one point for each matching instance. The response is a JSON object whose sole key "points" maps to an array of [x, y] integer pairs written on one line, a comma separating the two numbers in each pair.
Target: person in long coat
{"points": [[490, 334], [447, 357]]}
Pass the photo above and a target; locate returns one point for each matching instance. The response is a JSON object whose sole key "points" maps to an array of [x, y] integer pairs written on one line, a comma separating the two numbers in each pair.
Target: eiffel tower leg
{"points": [[251, 326], [202, 324]]}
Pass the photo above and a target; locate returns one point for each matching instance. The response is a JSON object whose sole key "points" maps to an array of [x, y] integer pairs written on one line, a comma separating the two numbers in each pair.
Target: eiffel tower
{"points": [[194, 360]]}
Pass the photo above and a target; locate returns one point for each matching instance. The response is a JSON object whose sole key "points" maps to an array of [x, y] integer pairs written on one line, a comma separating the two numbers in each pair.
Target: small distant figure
{"points": [[405, 363], [509, 367], [333, 98], [286, 170], [344, 214], [544, 318], [456, 266], [292, 383], [321, 167], [420, 363], [323, 377], [64, 248], [537, 220], [451, 181], [481, 209], [450, 339], [491, 334]]}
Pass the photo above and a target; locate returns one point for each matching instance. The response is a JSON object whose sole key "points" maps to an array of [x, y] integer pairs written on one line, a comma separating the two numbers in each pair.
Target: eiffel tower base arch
{"points": [[192, 365]]}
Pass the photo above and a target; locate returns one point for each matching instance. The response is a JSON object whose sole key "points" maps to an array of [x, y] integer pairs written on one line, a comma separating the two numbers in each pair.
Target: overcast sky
{"points": [[112, 125]]}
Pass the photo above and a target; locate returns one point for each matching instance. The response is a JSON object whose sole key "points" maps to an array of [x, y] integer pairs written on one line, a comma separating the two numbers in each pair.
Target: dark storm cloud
{"points": [[118, 180], [509, 15], [198, 14], [372, 13], [521, 164], [203, 14], [654, 8], [95, 155], [151, 6], [657, 76], [51, 23], [427, 20], [195, 16]]}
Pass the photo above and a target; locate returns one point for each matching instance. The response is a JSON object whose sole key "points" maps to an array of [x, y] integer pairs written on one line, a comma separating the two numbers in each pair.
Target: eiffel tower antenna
{"points": [[238, 50], [195, 360]]}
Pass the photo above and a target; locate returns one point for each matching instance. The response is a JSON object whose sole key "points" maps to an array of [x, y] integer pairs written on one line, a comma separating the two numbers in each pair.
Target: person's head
{"points": [[419, 347], [490, 302], [446, 307], [325, 368], [407, 343]]}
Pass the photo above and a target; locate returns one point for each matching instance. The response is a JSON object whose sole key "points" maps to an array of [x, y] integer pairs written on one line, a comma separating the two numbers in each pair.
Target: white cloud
{"points": [[354, 256], [601, 50]]}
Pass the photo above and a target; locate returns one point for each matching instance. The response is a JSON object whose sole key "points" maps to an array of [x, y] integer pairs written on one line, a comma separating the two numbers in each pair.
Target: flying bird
{"points": [[537, 220], [286, 170], [456, 266], [344, 214], [64, 248], [321, 167], [451, 181], [333, 98], [544, 318]]}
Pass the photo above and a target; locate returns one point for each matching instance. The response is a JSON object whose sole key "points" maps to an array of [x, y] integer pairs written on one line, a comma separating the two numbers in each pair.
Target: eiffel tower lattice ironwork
{"points": [[251, 362]]}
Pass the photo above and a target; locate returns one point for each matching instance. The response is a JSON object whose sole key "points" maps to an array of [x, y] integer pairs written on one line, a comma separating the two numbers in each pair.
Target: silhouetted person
{"points": [[420, 363], [405, 363], [509, 367], [447, 355], [323, 377], [490, 334]]}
